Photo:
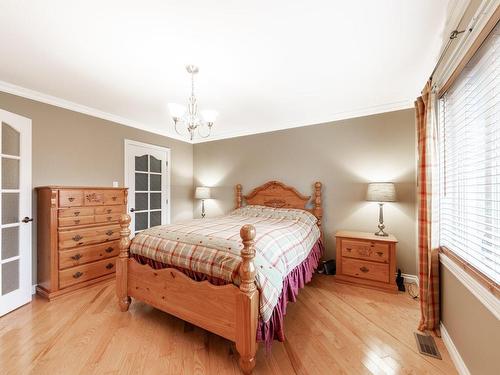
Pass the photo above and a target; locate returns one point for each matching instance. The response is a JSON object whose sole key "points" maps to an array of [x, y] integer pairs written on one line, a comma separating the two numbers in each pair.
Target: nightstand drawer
{"points": [[369, 250], [365, 270]]}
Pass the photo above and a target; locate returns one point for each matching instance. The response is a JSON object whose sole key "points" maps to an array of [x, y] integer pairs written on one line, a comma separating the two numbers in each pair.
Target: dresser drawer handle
{"points": [[348, 249], [114, 198], [77, 275], [109, 218], [76, 213], [109, 266], [109, 232], [76, 256], [77, 238], [108, 210], [380, 253], [71, 199], [109, 250], [364, 269], [77, 221]]}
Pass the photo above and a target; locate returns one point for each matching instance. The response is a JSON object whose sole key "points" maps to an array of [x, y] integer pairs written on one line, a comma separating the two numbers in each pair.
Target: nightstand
{"points": [[366, 260]]}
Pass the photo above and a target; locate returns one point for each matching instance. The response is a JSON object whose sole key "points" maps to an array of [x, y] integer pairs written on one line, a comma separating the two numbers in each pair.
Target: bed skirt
{"points": [[274, 328]]}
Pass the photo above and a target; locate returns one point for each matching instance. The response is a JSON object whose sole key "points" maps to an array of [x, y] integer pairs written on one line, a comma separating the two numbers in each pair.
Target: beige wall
{"points": [[474, 330], [71, 148], [343, 155]]}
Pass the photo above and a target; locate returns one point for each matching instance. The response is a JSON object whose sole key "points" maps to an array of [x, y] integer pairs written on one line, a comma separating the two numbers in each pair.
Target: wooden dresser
{"points": [[366, 260], [77, 236]]}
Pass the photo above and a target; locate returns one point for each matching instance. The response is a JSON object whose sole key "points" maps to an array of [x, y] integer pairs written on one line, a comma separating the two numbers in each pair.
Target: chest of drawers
{"points": [[77, 236], [366, 260]]}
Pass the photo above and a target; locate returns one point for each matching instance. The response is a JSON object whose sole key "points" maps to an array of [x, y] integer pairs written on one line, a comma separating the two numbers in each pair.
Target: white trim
{"points": [[411, 279], [477, 23], [72, 106], [130, 142], [153, 128], [453, 351], [479, 291], [33, 289], [367, 111]]}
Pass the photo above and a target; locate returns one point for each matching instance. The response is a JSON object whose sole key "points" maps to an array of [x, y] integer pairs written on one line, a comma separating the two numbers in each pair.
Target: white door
{"points": [[15, 208], [147, 175]]}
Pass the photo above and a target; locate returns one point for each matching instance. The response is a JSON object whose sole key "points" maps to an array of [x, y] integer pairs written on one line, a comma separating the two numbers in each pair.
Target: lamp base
{"points": [[381, 233], [381, 225]]}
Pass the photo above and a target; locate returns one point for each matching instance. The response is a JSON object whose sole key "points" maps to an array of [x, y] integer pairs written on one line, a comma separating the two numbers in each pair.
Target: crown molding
{"points": [[72, 106], [367, 111]]}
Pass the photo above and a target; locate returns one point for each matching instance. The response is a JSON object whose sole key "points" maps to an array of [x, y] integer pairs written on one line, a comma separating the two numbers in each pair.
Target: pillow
{"points": [[276, 213]]}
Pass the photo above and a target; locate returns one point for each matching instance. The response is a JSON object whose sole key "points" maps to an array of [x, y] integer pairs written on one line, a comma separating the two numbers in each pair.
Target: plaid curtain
{"points": [[428, 209]]}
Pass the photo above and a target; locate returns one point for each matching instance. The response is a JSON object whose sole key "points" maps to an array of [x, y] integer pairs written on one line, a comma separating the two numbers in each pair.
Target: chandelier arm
{"points": [[177, 131], [208, 134]]}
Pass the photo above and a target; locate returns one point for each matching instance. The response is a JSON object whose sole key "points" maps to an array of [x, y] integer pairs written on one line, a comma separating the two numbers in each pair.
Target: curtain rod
{"points": [[454, 34]]}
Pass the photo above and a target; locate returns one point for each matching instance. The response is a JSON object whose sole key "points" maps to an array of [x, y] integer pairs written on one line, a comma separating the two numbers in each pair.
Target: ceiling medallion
{"points": [[189, 118]]}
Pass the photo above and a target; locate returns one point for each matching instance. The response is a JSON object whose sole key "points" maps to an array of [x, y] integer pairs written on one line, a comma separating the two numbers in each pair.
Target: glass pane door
{"points": [[15, 203]]}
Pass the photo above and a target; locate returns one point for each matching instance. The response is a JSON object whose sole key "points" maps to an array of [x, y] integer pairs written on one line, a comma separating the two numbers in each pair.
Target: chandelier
{"points": [[189, 118]]}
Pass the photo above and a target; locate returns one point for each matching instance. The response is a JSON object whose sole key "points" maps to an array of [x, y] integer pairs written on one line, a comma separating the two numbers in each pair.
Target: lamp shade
{"points": [[381, 192], [202, 192]]}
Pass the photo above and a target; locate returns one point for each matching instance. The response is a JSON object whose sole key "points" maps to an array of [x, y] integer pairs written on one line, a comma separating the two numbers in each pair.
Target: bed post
{"points": [[318, 210], [238, 196], [122, 264], [247, 309]]}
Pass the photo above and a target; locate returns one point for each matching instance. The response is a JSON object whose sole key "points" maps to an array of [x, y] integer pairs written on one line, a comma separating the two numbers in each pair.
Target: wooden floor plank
{"points": [[333, 328]]}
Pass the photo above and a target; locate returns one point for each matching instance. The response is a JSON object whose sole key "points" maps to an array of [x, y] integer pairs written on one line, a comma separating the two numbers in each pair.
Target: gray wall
{"points": [[343, 155], [474, 330], [71, 148]]}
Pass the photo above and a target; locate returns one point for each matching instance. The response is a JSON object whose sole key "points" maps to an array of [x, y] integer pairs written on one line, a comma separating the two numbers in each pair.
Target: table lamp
{"points": [[381, 192], [202, 192]]}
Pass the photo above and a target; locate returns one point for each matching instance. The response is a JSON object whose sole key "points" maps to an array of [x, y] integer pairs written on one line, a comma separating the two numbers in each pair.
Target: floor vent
{"points": [[426, 345]]}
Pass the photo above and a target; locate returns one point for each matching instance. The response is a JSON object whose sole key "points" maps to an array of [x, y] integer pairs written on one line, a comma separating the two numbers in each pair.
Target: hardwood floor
{"points": [[333, 328]]}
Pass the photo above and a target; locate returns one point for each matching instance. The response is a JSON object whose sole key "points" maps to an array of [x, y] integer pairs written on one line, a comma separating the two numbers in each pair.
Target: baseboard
{"points": [[33, 289], [410, 279], [453, 351]]}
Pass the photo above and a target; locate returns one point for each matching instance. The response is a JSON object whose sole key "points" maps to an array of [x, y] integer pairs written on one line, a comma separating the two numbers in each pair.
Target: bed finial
{"points": [[122, 263], [318, 210], [247, 268], [239, 198]]}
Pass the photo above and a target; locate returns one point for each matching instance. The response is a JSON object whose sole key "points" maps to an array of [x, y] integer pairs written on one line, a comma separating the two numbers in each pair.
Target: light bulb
{"points": [[176, 110]]}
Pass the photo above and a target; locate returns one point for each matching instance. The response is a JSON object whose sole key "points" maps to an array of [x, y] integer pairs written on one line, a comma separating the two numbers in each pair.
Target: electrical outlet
{"points": [[115, 183]]}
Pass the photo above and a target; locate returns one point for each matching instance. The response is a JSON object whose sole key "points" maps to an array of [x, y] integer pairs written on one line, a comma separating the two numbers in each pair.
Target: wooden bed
{"points": [[228, 311]]}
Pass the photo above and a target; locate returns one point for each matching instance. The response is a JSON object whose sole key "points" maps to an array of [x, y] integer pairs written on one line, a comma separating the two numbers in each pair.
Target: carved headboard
{"points": [[277, 194]]}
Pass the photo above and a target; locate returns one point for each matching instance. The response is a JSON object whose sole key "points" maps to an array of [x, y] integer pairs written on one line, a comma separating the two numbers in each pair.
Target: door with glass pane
{"points": [[15, 208], [147, 177]]}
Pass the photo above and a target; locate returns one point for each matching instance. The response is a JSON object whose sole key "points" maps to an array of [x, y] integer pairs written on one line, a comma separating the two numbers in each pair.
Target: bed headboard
{"points": [[277, 194]]}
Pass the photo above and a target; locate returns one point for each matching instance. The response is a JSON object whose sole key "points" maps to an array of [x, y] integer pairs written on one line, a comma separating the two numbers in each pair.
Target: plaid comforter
{"points": [[284, 238]]}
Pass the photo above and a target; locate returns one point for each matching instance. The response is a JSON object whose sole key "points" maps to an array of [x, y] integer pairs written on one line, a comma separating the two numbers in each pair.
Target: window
{"points": [[469, 136]]}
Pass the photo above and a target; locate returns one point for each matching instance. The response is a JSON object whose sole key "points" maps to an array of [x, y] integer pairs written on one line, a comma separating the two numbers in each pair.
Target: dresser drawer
{"points": [[86, 272], [365, 270], [109, 210], [112, 197], [375, 251], [108, 218], [75, 220], [70, 198], [75, 212], [88, 236], [87, 254]]}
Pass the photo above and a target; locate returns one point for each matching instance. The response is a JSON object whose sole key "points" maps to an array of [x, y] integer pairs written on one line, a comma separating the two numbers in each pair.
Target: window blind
{"points": [[469, 136]]}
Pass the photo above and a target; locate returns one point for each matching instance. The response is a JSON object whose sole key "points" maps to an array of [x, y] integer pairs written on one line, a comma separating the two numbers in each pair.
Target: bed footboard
{"points": [[229, 311]]}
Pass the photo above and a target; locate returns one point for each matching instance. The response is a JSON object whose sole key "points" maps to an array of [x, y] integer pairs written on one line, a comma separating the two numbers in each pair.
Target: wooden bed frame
{"points": [[228, 311]]}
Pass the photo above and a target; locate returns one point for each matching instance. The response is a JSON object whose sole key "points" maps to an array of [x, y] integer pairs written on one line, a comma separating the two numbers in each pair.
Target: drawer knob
{"points": [[76, 213], [109, 232], [77, 274], [380, 253], [71, 199], [109, 266], [76, 256], [364, 269], [109, 250], [77, 238]]}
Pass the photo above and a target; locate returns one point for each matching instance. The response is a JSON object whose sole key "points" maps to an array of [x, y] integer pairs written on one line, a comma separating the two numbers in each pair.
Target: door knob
{"points": [[132, 210], [27, 219]]}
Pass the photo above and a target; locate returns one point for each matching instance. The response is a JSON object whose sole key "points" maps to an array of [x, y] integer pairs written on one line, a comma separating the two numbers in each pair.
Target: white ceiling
{"points": [[264, 65]]}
